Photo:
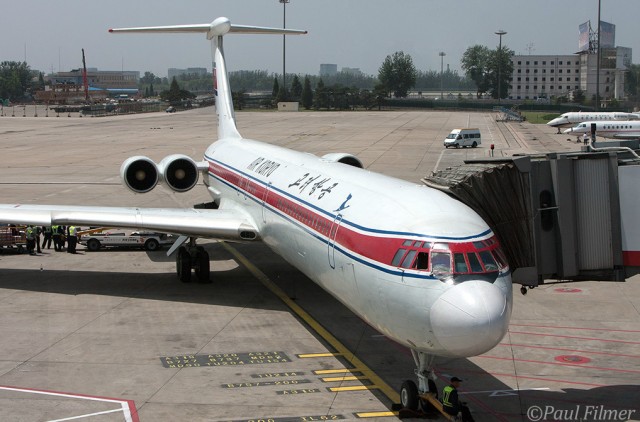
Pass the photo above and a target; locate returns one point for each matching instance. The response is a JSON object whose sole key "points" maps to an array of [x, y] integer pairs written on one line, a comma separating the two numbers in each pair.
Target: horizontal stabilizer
{"points": [[220, 26]]}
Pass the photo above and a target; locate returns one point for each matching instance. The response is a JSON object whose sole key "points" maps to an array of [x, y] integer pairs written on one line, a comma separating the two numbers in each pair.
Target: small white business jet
{"points": [[422, 268], [569, 119], [629, 130]]}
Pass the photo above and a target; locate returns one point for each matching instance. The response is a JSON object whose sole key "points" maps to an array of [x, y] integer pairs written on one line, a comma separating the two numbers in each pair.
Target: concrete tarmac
{"points": [[113, 335]]}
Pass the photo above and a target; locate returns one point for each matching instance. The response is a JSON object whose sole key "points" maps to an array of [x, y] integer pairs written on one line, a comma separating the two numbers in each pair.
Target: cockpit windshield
{"points": [[455, 262]]}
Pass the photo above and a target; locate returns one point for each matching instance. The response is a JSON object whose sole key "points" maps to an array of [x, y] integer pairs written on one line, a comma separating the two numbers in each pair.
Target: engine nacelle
{"points": [[344, 158], [139, 173], [179, 172]]}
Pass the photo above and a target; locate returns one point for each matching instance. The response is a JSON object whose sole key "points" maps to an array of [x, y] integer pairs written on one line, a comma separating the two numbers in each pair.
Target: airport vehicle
{"points": [[12, 238], [607, 129], [569, 119], [469, 137], [150, 241], [421, 267]]}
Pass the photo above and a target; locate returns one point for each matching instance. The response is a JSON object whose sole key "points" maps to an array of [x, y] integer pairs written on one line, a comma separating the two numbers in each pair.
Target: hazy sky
{"points": [[350, 33]]}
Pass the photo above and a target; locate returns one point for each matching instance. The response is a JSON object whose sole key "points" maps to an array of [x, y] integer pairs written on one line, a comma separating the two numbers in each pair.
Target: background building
{"points": [[545, 76], [103, 79], [174, 72], [328, 69]]}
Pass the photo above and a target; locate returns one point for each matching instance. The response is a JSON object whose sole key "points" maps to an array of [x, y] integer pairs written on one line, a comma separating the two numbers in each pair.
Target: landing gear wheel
{"points": [[183, 265], [409, 395], [202, 265]]}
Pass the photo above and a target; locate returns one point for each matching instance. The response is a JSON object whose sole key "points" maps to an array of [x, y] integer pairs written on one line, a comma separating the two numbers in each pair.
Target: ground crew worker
{"points": [[451, 404], [47, 230], [30, 235], [36, 230], [72, 239], [55, 234]]}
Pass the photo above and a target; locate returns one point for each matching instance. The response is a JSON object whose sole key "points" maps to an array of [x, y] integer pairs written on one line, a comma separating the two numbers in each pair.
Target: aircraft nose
{"points": [[568, 130], [470, 318]]}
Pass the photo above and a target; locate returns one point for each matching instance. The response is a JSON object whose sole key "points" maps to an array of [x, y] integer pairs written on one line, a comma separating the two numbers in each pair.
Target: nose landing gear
{"points": [[410, 392]]}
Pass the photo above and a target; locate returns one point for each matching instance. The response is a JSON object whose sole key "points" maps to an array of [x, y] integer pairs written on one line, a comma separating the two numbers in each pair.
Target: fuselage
{"points": [[607, 129], [419, 266], [571, 118]]}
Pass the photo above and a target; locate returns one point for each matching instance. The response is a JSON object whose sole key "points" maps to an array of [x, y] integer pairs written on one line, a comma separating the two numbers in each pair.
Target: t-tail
{"points": [[215, 32]]}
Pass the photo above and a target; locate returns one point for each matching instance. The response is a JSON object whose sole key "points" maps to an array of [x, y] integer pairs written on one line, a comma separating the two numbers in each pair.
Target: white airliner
{"points": [[419, 266], [614, 130], [569, 119]]}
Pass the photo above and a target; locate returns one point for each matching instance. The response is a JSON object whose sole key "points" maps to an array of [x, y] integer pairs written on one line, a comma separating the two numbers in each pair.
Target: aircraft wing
{"points": [[209, 223], [628, 136]]}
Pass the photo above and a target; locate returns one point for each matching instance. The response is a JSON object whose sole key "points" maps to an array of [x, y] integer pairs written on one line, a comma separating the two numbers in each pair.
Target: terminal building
{"points": [[102, 79], [546, 76]]}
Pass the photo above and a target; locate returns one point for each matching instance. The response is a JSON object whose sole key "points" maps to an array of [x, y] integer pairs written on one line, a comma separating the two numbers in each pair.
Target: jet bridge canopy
{"points": [[558, 216]]}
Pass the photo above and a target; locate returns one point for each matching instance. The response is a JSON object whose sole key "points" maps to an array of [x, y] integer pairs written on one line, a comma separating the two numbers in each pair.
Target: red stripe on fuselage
{"points": [[380, 249]]}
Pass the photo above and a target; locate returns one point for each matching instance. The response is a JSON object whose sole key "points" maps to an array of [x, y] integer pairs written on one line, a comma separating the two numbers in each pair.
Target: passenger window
{"points": [[460, 263], [418, 244], [440, 262], [474, 263], [488, 261], [407, 243], [422, 261], [398, 257], [479, 245], [408, 260]]}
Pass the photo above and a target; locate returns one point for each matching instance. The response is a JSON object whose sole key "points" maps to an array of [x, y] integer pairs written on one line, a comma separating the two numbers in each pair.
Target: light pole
{"points": [[598, 58], [500, 33], [284, 43], [441, 54]]}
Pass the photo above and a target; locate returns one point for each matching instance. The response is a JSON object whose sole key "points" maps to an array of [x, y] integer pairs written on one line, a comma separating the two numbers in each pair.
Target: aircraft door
{"points": [[333, 232], [265, 200]]}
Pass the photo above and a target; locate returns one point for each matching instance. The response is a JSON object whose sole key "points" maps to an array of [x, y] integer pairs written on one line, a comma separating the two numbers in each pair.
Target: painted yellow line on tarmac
{"points": [[353, 388], [329, 338], [344, 378], [336, 371], [318, 355], [376, 414]]}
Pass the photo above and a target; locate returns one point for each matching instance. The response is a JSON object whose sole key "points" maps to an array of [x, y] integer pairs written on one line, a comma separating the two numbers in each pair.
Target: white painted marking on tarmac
{"points": [[124, 404], [439, 158], [503, 393], [88, 415]]}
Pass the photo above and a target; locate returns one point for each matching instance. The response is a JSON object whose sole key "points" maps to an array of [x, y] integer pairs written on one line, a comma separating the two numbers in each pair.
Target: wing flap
{"points": [[217, 224]]}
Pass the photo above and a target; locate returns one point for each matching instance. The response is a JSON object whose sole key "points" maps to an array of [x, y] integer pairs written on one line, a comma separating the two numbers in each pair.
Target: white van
{"points": [[469, 137]]}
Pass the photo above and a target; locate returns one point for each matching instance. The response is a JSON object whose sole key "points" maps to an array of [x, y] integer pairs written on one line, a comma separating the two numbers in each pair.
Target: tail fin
{"points": [[215, 31]]}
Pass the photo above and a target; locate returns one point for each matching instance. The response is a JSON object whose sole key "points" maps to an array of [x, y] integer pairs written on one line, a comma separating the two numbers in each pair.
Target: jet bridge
{"points": [[567, 216]]}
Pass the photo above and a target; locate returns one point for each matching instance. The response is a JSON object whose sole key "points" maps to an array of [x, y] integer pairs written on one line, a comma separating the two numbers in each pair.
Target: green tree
{"points": [[175, 95], [296, 88], [474, 63], [307, 94], [398, 74], [320, 96], [499, 64], [15, 79], [276, 89], [148, 78]]}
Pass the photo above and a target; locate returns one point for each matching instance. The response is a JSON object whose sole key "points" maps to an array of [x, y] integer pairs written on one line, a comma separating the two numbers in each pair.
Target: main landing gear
{"points": [[192, 256], [410, 392]]}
